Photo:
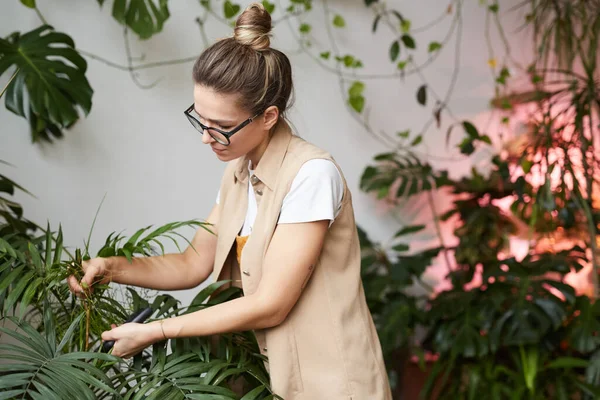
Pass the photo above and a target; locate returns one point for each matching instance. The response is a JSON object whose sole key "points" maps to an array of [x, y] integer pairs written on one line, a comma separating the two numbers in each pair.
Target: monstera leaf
{"points": [[144, 17], [49, 84]]}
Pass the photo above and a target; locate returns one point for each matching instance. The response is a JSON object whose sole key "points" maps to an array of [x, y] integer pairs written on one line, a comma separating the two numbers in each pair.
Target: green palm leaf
{"points": [[50, 83], [35, 368]]}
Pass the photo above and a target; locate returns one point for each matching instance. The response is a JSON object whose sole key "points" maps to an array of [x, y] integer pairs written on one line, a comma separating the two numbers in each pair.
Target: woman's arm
{"points": [[288, 264], [168, 272]]}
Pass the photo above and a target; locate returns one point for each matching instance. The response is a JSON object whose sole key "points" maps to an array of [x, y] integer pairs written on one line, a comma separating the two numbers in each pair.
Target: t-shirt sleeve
{"points": [[315, 194]]}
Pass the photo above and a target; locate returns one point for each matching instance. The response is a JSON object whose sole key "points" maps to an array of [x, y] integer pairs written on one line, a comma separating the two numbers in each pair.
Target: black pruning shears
{"points": [[139, 316]]}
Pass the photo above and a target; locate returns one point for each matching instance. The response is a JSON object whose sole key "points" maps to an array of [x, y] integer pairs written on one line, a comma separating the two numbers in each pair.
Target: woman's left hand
{"points": [[131, 338]]}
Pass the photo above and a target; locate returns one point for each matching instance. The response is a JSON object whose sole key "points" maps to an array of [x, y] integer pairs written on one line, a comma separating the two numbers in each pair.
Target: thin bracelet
{"points": [[161, 328]]}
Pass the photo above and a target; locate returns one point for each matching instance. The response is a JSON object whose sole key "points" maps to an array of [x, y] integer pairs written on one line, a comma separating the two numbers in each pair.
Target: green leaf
{"points": [[254, 393], [405, 25], [422, 95], [338, 21], [325, 55], [417, 140], [145, 17], [485, 139], [356, 99], [230, 9], [401, 247], [568, 362], [305, 28], [471, 130], [526, 165], [409, 230], [376, 23], [404, 134], [409, 41], [402, 65], [395, 50], [434, 46], [270, 7], [494, 8], [50, 85], [369, 2], [357, 103], [356, 89], [28, 3]]}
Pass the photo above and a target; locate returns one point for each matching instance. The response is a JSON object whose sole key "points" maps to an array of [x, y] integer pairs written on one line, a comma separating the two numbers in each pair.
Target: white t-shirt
{"points": [[315, 194]]}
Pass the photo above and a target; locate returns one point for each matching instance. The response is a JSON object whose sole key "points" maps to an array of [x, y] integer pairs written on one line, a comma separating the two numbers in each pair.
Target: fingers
{"points": [[109, 335], [74, 286], [88, 277]]}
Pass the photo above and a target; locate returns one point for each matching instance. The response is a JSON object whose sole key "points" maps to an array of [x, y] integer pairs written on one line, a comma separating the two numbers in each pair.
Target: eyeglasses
{"points": [[219, 135]]}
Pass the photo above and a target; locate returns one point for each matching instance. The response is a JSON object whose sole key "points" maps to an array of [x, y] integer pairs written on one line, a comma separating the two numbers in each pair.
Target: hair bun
{"points": [[253, 27]]}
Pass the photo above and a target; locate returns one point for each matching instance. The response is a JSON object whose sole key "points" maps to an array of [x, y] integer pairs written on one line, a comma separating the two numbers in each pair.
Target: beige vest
{"points": [[327, 348]]}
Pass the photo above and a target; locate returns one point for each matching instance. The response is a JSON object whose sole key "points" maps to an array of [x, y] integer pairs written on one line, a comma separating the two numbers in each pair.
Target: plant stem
{"points": [[40, 16], [87, 325], [438, 230], [9, 81]]}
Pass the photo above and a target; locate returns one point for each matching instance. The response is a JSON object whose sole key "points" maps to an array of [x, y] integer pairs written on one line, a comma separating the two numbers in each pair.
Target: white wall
{"points": [[137, 147]]}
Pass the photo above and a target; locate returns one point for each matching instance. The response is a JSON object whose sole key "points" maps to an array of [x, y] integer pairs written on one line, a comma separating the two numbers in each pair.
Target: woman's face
{"points": [[223, 112]]}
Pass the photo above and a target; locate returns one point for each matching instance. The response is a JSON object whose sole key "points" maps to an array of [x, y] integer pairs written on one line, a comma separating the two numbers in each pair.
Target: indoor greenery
{"points": [[55, 348], [522, 333]]}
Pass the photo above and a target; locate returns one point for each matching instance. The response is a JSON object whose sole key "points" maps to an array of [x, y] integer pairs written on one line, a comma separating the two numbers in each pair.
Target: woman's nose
{"points": [[206, 138]]}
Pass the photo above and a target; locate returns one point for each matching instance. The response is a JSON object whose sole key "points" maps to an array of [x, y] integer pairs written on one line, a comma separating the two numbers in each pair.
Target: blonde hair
{"points": [[246, 65]]}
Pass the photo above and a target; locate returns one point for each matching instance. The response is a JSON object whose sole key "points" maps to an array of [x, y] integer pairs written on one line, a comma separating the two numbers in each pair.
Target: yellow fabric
{"points": [[240, 242]]}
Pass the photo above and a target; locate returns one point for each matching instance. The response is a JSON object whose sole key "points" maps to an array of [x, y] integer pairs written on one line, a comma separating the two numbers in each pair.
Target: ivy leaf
{"points": [[305, 28], [434, 46], [417, 140], [494, 8], [401, 247], [485, 139], [409, 229], [50, 85], [230, 9], [369, 2], [144, 17], [28, 3], [395, 50], [356, 89], [422, 95], [404, 134], [325, 55], [376, 22], [270, 7], [402, 65], [357, 103], [504, 73], [338, 21], [409, 41], [405, 25], [466, 146], [471, 130], [356, 99]]}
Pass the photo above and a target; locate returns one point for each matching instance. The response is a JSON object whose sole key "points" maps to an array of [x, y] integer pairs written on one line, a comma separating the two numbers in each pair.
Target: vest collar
{"points": [[270, 162]]}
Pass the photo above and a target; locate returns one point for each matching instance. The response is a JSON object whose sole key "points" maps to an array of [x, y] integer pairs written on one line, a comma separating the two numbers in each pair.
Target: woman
{"points": [[284, 203]]}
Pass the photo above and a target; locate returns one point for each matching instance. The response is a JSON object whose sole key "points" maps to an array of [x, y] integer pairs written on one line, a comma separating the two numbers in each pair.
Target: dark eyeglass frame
{"points": [[227, 134]]}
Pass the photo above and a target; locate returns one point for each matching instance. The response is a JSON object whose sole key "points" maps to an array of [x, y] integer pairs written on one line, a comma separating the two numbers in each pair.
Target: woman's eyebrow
{"points": [[220, 122]]}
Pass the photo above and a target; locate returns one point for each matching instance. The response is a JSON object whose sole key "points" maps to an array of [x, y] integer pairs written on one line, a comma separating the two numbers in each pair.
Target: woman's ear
{"points": [[271, 116]]}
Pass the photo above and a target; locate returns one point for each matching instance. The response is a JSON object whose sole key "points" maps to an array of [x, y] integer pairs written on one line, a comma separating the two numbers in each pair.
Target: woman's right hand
{"points": [[94, 271]]}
